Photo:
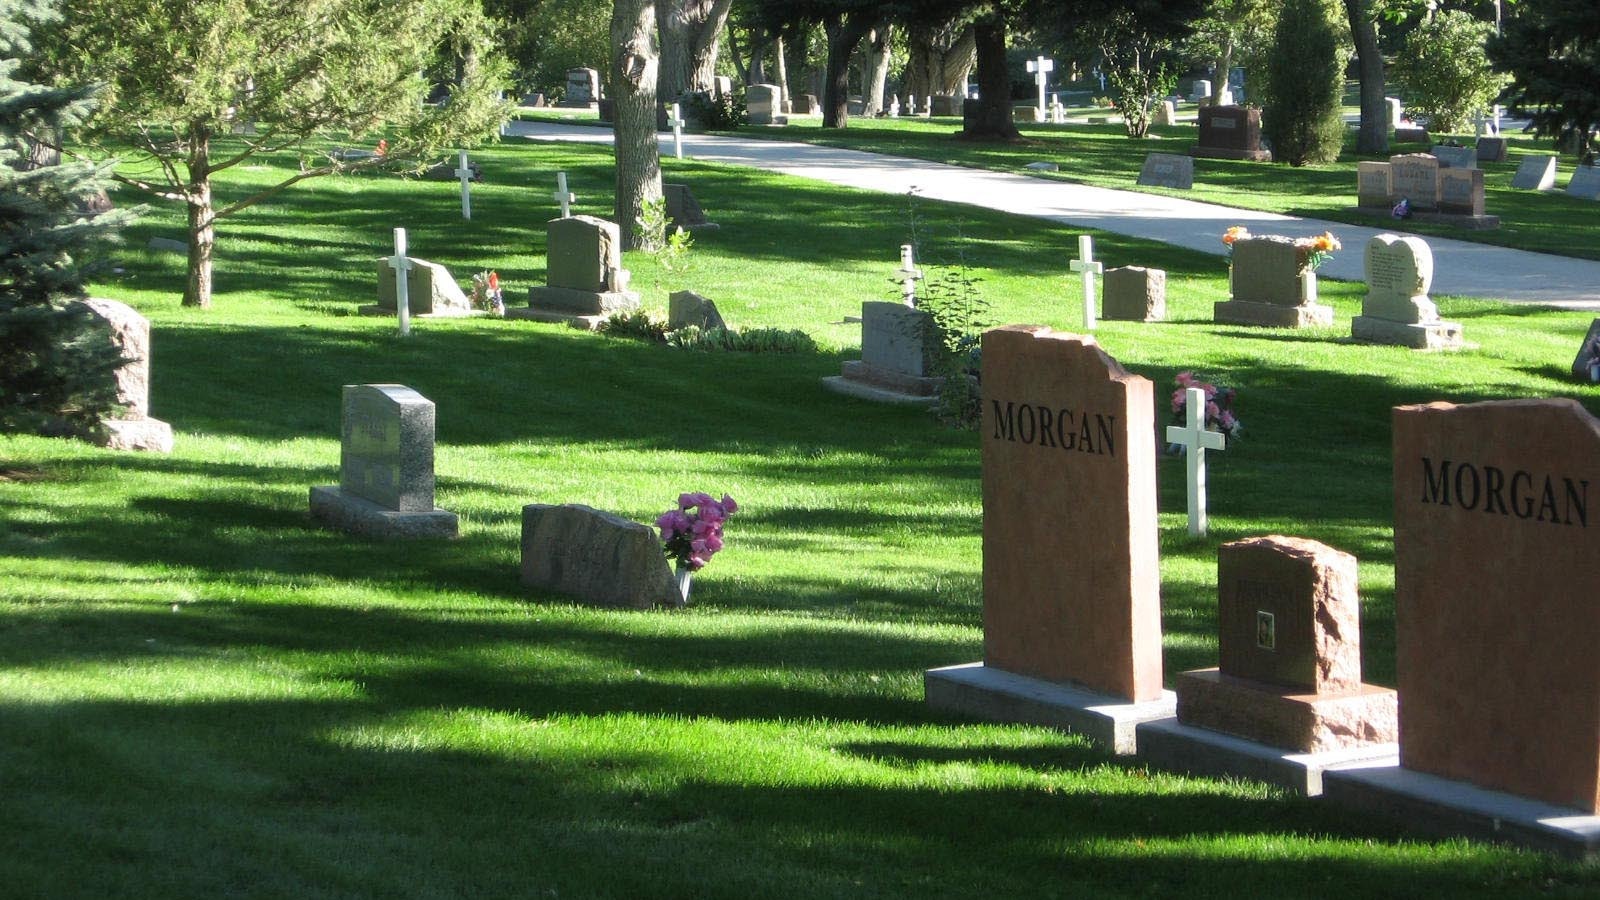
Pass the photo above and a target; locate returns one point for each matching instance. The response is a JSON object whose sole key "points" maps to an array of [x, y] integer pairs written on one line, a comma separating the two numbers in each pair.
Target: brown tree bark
{"points": [[780, 72], [691, 31], [633, 70], [202, 219], [940, 60], [877, 70], [989, 117], [1373, 136], [844, 35]]}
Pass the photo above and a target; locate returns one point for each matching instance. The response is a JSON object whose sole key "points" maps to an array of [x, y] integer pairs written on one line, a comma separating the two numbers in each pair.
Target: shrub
{"points": [[1446, 70], [635, 323], [723, 113], [754, 340], [1304, 86]]}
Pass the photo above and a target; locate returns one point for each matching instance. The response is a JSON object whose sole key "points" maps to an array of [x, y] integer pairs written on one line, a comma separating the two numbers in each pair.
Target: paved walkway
{"points": [[1460, 267]]}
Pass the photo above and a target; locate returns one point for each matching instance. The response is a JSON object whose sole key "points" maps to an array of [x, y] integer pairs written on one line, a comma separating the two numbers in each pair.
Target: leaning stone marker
{"points": [[1134, 294], [123, 327], [385, 485], [686, 308], [1271, 286], [1168, 170], [595, 557], [1535, 173], [1588, 354], [585, 280], [1396, 309], [1288, 687], [897, 357], [1071, 592], [430, 291], [1585, 183]]}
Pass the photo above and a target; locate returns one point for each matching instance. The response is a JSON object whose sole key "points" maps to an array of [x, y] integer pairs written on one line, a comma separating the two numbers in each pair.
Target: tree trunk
{"points": [[1373, 136], [844, 35], [1224, 65], [878, 76], [690, 33], [633, 69], [780, 66], [990, 115], [940, 60], [202, 225]]}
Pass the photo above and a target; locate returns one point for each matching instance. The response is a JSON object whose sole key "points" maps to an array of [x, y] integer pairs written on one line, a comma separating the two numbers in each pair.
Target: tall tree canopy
{"points": [[1552, 50], [178, 79]]}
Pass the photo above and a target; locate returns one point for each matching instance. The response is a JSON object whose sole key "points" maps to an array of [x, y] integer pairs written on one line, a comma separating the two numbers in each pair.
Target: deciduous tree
{"points": [[634, 60]]}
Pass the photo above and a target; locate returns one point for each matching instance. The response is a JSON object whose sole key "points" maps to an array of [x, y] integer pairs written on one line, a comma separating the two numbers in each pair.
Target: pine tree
{"points": [[1552, 50], [1305, 86], [56, 368]]}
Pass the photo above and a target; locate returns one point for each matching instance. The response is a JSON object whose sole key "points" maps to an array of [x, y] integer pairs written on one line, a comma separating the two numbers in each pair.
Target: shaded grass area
{"points": [[205, 695]]}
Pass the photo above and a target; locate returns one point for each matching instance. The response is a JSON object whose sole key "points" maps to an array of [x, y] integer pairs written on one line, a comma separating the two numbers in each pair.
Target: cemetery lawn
{"points": [[204, 695], [1103, 155]]}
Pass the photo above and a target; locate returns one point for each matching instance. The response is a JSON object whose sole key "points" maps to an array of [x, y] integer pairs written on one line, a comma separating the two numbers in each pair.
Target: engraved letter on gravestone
{"points": [[387, 450]]}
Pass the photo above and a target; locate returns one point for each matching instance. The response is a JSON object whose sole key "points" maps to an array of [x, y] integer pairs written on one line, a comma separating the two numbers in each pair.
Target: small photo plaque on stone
{"points": [[1266, 630]]}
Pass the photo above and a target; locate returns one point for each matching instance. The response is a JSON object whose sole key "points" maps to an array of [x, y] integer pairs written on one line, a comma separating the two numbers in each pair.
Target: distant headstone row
{"points": [[1455, 193]]}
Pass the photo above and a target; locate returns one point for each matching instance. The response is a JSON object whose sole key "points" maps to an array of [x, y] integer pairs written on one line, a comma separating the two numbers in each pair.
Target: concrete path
{"points": [[1460, 267]]}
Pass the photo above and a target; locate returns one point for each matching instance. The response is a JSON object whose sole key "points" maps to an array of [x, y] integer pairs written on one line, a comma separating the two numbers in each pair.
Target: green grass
{"points": [[1103, 155], [204, 695]]}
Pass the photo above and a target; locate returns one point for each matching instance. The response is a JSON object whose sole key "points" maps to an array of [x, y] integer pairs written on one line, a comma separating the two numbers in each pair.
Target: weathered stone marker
{"points": [[1168, 170], [1272, 286], [585, 280], [1396, 309], [1535, 173], [1134, 294], [1072, 630], [385, 485], [595, 557], [123, 327]]}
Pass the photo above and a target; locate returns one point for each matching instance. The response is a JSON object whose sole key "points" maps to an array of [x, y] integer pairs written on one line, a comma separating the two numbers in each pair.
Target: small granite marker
{"points": [[1134, 294], [683, 210], [1071, 592], [1585, 183], [1535, 173], [1585, 364], [1396, 309], [1168, 170], [685, 308], [385, 485]]}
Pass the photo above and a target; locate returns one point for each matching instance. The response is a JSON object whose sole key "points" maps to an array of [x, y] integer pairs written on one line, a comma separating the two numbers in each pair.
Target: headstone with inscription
{"points": [[1072, 627], [1416, 179], [584, 278], [1168, 170], [762, 101], [683, 210], [898, 344], [1461, 192], [1230, 132], [1288, 682], [1585, 183], [1453, 157], [1491, 149], [1535, 173], [1271, 285], [125, 329], [1374, 185], [1134, 294], [595, 557], [583, 89], [1586, 365], [385, 487], [1396, 309]]}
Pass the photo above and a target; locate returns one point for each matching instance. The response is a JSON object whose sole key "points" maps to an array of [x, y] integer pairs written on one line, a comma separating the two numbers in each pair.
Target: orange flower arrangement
{"points": [[1315, 251]]}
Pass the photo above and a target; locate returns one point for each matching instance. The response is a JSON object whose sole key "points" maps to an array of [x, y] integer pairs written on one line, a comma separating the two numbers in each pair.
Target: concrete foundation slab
{"points": [[359, 515], [1169, 744], [977, 690]]}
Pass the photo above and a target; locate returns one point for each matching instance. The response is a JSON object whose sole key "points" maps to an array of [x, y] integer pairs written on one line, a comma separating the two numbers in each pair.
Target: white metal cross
{"points": [[402, 287], [1089, 267], [1196, 440], [908, 276], [677, 131], [1041, 67], [562, 197], [464, 172]]}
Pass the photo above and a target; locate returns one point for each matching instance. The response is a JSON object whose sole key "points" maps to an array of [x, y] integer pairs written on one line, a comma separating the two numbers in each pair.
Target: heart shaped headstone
{"points": [[1399, 272]]}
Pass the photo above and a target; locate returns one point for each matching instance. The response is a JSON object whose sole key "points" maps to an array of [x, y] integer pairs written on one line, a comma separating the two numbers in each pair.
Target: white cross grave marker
{"points": [[908, 276], [562, 197], [1196, 440], [402, 287], [677, 131], [1089, 267], [1041, 67], [464, 172]]}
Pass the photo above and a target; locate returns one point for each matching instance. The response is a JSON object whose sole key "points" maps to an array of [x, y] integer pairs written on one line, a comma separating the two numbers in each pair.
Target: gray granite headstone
{"points": [[684, 211], [1168, 170], [1585, 183], [386, 479], [1491, 149], [1535, 173], [1271, 286], [595, 557], [584, 278], [431, 291], [583, 88], [1134, 294], [1461, 191], [685, 308], [1455, 157], [762, 101], [895, 338]]}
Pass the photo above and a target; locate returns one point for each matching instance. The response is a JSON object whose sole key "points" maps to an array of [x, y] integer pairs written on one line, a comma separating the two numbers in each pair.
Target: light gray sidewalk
{"points": [[1460, 267]]}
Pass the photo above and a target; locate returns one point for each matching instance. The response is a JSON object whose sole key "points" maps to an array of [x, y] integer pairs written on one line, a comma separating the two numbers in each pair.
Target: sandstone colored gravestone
{"points": [[584, 278], [1461, 192], [1374, 185], [1168, 170], [687, 308], [1289, 673], [1271, 286], [1166, 113], [1134, 294], [595, 557], [1455, 157], [1491, 149], [583, 89], [897, 357], [123, 327], [385, 487], [684, 211], [1396, 309], [1585, 183], [947, 105], [1071, 590], [1588, 354], [1496, 536], [762, 102], [1535, 173], [1230, 132], [431, 291], [1416, 178]]}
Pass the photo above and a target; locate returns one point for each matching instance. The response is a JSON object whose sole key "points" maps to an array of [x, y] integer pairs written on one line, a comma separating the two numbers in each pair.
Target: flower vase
{"points": [[683, 575], [1594, 371], [1308, 287]]}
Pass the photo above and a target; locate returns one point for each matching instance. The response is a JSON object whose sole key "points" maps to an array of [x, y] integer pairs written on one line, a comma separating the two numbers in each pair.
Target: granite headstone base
{"points": [[1227, 153], [1434, 336], [1440, 807], [868, 382], [1246, 312], [1175, 747], [1291, 718], [995, 695], [358, 515], [569, 306], [1459, 220], [153, 435]]}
